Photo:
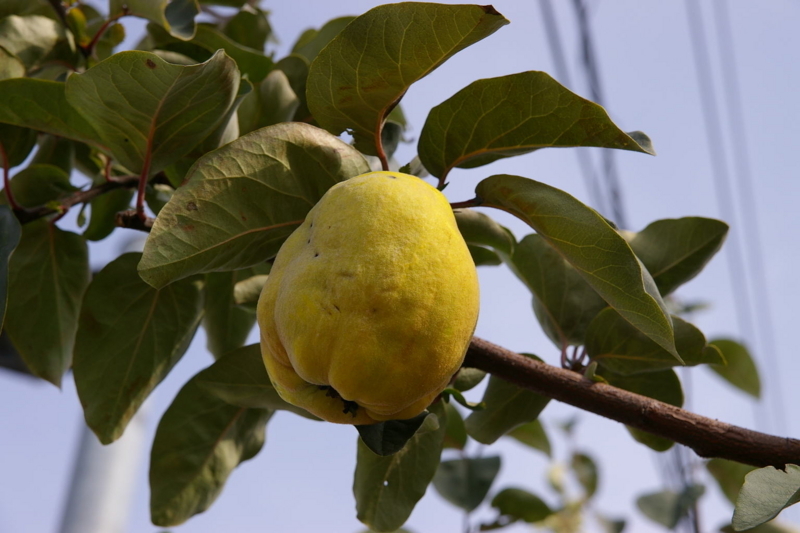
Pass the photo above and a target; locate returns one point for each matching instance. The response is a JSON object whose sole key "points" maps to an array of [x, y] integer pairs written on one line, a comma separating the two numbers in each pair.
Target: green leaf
{"points": [[273, 102], [39, 184], [104, 209], [483, 256], [176, 16], [389, 437], [227, 325], [149, 112], [507, 407], [17, 142], [676, 250], [455, 433], [365, 70], [249, 28], [10, 65], [468, 378], [240, 378], [247, 291], [27, 7], [296, 69], [599, 254], [208, 40], [30, 37], [10, 233], [466, 482], [311, 42], [621, 348], [130, 335], [610, 525], [729, 475], [42, 105], [532, 434], [520, 504], [48, 273], [511, 115], [563, 300], [668, 507], [387, 488], [769, 527], [240, 202], [740, 370], [663, 386], [586, 471], [480, 229], [199, 441], [765, 493], [56, 151]]}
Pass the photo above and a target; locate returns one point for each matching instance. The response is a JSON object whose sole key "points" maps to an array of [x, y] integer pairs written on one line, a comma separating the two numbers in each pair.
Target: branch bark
{"points": [[707, 437]]}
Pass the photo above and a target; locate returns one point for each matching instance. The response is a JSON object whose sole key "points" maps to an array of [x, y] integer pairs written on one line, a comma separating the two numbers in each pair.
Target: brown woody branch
{"points": [[25, 215], [707, 437]]}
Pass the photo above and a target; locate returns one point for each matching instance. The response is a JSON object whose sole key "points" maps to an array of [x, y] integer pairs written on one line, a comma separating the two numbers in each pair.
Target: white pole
{"points": [[103, 481]]}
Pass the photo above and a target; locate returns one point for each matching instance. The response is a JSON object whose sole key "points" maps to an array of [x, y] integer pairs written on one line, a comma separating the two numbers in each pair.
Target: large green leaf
{"points": [[48, 273], [621, 348], [240, 378], [273, 101], [27, 7], [480, 229], [387, 488], [249, 28], [599, 254], [227, 325], [676, 250], [358, 78], [29, 37], [176, 16], [765, 493], [39, 184], [42, 105], [508, 406], [198, 443], [10, 65], [16, 142], [563, 300], [532, 434], [241, 201], [740, 370], [252, 63], [466, 482], [130, 335], [10, 233], [296, 69], [663, 386], [311, 42], [729, 475], [512, 115], [149, 112], [520, 504]]}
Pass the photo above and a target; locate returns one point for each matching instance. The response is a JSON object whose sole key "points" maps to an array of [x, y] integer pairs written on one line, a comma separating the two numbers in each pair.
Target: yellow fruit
{"points": [[371, 303]]}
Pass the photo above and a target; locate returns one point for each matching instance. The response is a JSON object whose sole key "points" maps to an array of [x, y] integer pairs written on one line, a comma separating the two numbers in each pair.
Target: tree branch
{"points": [[707, 437], [26, 215]]}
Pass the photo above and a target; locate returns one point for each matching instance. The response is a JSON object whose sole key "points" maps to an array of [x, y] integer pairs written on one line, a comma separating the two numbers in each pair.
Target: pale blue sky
{"points": [[302, 479]]}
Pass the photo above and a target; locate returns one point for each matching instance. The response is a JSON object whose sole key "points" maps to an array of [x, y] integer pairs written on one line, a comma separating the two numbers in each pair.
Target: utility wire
{"points": [[610, 174], [744, 182], [559, 61], [739, 282]]}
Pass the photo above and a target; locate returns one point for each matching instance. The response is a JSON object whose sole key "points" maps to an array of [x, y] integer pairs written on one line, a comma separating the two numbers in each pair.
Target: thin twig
{"points": [[707, 437]]}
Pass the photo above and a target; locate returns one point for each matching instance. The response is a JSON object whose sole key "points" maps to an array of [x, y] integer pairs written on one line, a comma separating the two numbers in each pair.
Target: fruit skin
{"points": [[375, 295]]}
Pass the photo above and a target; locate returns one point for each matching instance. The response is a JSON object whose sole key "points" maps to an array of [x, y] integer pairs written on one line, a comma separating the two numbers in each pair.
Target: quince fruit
{"points": [[371, 303]]}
